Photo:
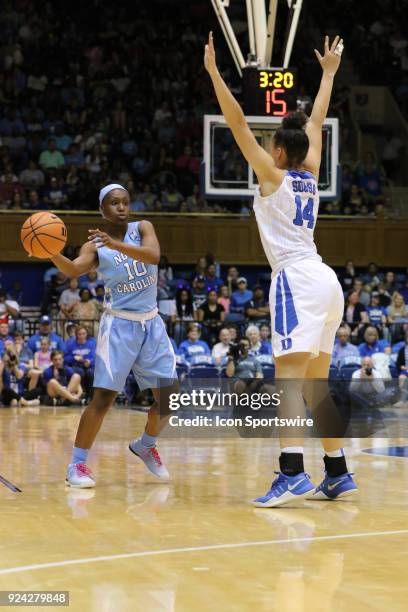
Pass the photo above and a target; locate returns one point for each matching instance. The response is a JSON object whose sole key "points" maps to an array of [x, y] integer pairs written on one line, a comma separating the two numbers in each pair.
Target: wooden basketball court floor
{"points": [[194, 543]]}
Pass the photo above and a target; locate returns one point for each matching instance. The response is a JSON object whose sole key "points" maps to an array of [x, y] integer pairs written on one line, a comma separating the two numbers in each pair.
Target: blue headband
{"points": [[104, 192]]}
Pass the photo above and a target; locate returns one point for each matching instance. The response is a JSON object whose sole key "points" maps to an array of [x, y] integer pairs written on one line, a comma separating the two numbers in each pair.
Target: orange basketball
{"points": [[43, 235]]}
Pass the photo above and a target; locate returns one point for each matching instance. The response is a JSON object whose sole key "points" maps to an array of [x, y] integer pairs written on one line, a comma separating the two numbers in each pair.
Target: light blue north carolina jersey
{"points": [[129, 284]]}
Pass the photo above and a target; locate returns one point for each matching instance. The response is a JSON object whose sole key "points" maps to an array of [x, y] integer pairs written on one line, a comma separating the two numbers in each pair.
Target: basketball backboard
{"points": [[227, 174]]}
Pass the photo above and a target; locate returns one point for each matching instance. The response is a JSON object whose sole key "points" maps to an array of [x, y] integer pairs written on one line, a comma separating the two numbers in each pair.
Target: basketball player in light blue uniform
{"points": [[132, 335], [306, 299]]}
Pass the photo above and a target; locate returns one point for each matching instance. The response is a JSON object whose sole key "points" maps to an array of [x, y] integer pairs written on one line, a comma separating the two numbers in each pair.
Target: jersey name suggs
{"points": [[304, 187]]}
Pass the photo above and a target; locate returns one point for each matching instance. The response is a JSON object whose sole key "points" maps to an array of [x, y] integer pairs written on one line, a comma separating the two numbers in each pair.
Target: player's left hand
{"points": [[101, 239], [330, 61], [209, 56]]}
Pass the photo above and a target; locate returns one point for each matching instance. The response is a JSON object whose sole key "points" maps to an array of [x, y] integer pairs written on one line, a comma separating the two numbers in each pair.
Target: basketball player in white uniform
{"points": [[306, 299]]}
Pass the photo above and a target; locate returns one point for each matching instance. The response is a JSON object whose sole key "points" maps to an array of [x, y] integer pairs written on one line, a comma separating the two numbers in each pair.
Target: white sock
{"points": [[336, 453], [292, 449]]}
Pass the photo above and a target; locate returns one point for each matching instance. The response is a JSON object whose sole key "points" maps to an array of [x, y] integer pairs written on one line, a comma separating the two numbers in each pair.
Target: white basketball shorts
{"points": [[307, 304]]}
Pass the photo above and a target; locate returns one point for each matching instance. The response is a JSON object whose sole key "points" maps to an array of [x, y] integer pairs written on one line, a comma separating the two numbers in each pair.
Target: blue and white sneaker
{"points": [[335, 488], [285, 489], [150, 458]]}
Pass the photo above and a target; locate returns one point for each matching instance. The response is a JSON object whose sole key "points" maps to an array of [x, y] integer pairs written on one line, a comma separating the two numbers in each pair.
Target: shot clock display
{"points": [[269, 91]]}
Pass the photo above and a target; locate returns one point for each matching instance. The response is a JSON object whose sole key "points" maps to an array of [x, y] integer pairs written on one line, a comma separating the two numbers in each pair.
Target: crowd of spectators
{"points": [[378, 42], [104, 93], [205, 310]]}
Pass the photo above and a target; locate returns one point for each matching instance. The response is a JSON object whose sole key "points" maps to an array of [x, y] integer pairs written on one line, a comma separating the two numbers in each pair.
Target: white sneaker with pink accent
{"points": [[80, 476], [151, 459]]}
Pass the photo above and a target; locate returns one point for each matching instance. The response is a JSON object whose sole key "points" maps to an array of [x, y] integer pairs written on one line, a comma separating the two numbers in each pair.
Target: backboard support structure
{"points": [[261, 18], [226, 173]]}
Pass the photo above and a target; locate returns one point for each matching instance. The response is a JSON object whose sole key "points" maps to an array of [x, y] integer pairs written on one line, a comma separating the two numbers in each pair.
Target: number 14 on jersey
{"points": [[304, 213]]}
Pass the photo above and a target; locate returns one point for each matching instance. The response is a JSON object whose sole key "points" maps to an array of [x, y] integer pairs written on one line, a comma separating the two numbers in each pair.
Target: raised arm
{"points": [[84, 263], [330, 63], [262, 163]]}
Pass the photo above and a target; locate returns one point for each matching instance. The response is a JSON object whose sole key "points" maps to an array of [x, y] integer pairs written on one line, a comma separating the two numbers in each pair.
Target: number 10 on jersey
{"points": [[304, 213], [139, 269]]}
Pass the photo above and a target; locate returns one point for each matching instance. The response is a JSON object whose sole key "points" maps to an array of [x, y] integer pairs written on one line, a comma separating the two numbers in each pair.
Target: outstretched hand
{"points": [[101, 239], [330, 61], [209, 56]]}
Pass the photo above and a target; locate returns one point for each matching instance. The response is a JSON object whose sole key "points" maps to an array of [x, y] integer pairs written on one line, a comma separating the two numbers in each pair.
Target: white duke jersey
{"points": [[286, 220]]}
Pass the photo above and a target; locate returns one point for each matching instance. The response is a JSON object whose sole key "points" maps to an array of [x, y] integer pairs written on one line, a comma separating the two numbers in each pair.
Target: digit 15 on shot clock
{"points": [[270, 92]]}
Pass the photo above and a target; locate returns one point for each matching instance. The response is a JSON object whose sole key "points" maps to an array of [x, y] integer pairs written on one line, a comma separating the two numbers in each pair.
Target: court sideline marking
{"points": [[170, 551], [10, 485]]}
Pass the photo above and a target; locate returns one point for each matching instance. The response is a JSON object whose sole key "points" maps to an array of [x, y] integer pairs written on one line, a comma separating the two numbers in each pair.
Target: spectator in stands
{"points": [[12, 381], [355, 315], [223, 298], [344, 352], [24, 354], [239, 299], [372, 343], [211, 279], [377, 314], [372, 276], [257, 309], [87, 310], [201, 267], [243, 366], [232, 279], [390, 283], [4, 336], [367, 387], [193, 348], [34, 201], [63, 384], [265, 333], [100, 294], [68, 298], [235, 334], [385, 297], [397, 316], [80, 356], [90, 281], [165, 270], [56, 342], [42, 361], [363, 292], [347, 277], [53, 290], [74, 157], [9, 309], [199, 292], [220, 350], [51, 158], [185, 313], [256, 347], [55, 195], [211, 315], [32, 177]]}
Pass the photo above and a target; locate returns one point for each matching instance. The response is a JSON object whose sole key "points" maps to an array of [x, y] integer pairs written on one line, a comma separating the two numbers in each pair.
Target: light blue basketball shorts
{"points": [[143, 347]]}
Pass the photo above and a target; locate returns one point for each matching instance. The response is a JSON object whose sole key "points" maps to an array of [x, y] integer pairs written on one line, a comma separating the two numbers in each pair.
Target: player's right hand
{"points": [[209, 56]]}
